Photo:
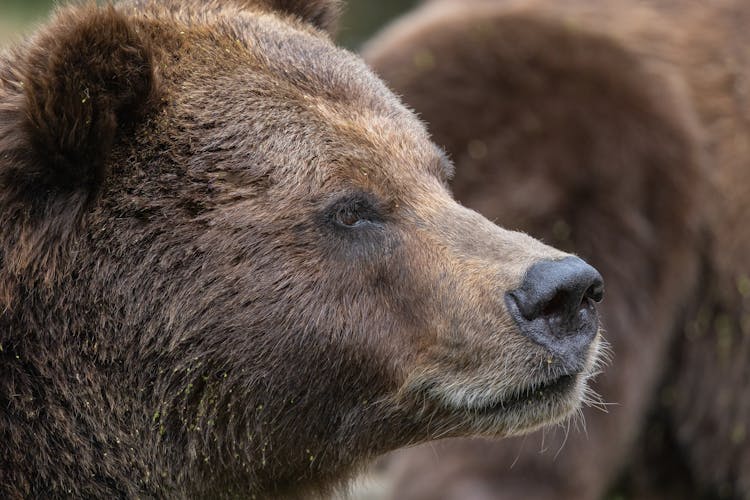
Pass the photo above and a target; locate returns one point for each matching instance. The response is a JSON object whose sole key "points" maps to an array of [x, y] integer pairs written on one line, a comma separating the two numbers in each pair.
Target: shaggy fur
{"points": [[230, 265], [618, 130]]}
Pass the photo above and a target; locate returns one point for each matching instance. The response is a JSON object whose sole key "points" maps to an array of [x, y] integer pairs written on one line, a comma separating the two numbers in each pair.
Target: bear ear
{"points": [[86, 76], [65, 95], [323, 14]]}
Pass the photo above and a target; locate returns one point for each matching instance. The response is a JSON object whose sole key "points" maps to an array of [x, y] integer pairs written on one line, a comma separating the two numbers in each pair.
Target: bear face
{"points": [[231, 264]]}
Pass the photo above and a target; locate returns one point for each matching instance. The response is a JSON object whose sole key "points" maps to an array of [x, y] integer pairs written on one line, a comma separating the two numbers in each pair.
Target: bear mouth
{"points": [[540, 392]]}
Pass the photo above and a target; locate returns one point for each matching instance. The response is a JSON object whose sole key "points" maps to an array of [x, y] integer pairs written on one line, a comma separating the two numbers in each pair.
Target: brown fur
{"points": [[188, 308], [619, 130]]}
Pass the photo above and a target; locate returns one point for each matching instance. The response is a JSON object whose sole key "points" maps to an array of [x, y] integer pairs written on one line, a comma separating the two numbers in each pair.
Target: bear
{"points": [[230, 265], [617, 130]]}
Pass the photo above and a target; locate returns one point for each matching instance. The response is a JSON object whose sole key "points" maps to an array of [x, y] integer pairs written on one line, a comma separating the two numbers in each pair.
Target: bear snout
{"points": [[554, 307]]}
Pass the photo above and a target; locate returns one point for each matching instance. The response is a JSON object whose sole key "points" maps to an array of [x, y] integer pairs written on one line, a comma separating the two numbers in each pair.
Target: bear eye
{"points": [[354, 211]]}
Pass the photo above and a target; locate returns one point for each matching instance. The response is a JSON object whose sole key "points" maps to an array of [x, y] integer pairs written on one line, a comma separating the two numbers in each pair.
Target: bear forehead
{"points": [[272, 85]]}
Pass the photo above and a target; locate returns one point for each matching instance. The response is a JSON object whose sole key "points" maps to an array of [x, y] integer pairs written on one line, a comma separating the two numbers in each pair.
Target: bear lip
{"points": [[539, 391]]}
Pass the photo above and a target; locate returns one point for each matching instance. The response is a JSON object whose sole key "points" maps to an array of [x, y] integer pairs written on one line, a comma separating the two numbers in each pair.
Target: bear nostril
{"points": [[554, 306], [567, 301], [596, 291]]}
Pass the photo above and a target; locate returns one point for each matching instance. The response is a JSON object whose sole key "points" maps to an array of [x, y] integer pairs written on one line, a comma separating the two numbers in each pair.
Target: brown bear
{"points": [[618, 130], [230, 265]]}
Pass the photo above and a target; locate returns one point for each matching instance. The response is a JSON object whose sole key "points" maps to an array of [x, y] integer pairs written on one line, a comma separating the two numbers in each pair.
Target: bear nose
{"points": [[558, 288], [554, 306]]}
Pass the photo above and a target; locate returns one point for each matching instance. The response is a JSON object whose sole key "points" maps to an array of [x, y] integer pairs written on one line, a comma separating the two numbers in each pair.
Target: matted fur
{"points": [[619, 130]]}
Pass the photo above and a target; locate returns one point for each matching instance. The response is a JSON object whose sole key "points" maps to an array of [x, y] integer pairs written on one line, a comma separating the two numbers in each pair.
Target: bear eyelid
{"points": [[354, 211]]}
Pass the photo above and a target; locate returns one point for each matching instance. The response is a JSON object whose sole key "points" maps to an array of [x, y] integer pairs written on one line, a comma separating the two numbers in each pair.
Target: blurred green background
{"points": [[361, 19]]}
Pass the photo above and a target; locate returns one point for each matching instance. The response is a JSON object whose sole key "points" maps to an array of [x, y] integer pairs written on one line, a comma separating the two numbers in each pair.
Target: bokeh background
{"points": [[361, 19]]}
